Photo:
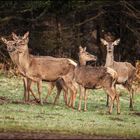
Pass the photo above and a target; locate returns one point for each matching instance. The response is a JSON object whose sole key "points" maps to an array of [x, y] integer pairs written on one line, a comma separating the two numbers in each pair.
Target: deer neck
{"points": [[24, 60], [82, 62], [109, 59]]}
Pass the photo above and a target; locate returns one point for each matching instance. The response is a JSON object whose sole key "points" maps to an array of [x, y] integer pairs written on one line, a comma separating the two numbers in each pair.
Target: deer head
{"points": [[110, 45], [21, 41], [84, 56], [11, 45]]}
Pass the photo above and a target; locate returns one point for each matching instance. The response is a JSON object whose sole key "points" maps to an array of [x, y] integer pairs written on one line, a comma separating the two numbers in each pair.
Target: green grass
{"points": [[61, 119]]}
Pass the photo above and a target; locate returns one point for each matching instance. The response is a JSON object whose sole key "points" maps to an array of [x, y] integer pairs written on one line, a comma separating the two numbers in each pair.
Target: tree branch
{"points": [[90, 19], [136, 33], [18, 17], [130, 5]]}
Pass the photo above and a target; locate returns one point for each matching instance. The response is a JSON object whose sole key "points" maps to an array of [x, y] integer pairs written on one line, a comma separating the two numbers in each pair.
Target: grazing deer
{"points": [[125, 70], [40, 68], [89, 77]]}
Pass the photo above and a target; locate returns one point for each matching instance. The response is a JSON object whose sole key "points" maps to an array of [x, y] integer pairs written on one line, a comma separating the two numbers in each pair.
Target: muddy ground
{"points": [[16, 135]]}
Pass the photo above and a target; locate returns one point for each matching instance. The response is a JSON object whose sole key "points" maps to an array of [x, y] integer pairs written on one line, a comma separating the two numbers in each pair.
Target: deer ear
{"points": [[104, 42], [116, 42], [85, 48], [26, 35], [4, 40], [80, 48], [14, 36]]}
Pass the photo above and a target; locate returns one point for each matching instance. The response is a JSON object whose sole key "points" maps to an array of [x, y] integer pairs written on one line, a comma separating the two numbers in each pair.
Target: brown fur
{"points": [[89, 77], [40, 68], [125, 70]]}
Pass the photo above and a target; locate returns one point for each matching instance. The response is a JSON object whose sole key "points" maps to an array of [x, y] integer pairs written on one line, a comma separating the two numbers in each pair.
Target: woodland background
{"points": [[58, 27]]}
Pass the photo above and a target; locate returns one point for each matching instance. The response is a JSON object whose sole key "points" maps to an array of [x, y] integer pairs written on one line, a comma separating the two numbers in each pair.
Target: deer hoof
{"points": [[131, 109], [41, 103], [118, 113], [85, 110], [109, 113], [79, 110]]}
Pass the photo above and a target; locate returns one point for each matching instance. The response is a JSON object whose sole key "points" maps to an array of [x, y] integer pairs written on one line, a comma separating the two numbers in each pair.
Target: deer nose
{"points": [[95, 57], [9, 49]]}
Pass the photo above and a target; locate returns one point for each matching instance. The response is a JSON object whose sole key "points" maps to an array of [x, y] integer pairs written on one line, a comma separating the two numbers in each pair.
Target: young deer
{"points": [[89, 77], [125, 70], [40, 68]]}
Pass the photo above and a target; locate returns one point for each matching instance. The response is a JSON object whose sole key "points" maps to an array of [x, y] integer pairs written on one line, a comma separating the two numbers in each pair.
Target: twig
{"points": [[90, 19], [136, 33]]}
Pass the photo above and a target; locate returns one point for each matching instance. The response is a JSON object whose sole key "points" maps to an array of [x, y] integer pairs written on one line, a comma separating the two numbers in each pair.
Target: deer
{"points": [[59, 83], [27, 82], [14, 57], [40, 68], [82, 76], [125, 70], [89, 77]]}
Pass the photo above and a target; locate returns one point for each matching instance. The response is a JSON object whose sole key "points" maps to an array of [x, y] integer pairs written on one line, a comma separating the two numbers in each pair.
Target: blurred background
{"points": [[57, 28]]}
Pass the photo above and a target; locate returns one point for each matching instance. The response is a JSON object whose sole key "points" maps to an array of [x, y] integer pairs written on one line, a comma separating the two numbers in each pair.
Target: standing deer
{"points": [[89, 77], [125, 70], [14, 56], [59, 83], [27, 82], [41, 68]]}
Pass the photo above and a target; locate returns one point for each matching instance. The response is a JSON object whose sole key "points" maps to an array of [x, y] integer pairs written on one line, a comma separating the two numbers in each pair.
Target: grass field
{"points": [[19, 117]]}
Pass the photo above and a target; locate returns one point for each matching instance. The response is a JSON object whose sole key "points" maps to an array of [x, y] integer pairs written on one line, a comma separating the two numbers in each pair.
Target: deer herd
{"points": [[69, 76]]}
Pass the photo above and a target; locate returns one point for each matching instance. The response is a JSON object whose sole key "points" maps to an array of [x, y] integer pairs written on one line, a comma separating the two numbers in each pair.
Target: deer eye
{"points": [[21, 43], [14, 44]]}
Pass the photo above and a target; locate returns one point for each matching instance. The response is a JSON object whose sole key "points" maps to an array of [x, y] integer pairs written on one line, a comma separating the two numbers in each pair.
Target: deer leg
{"points": [[107, 100], [111, 104], [65, 92], [112, 96], [39, 83], [59, 88], [71, 98], [74, 98], [131, 94], [131, 99], [82, 90], [85, 98], [50, 88], [73, 92], [118, 103], [30, 89], [61, 85], [25, 88], [69, 84], [117, 98]]}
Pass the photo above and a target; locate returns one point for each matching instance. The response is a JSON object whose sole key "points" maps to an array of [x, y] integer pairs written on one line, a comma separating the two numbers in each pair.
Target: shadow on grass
{"points": [[4, 100]]}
